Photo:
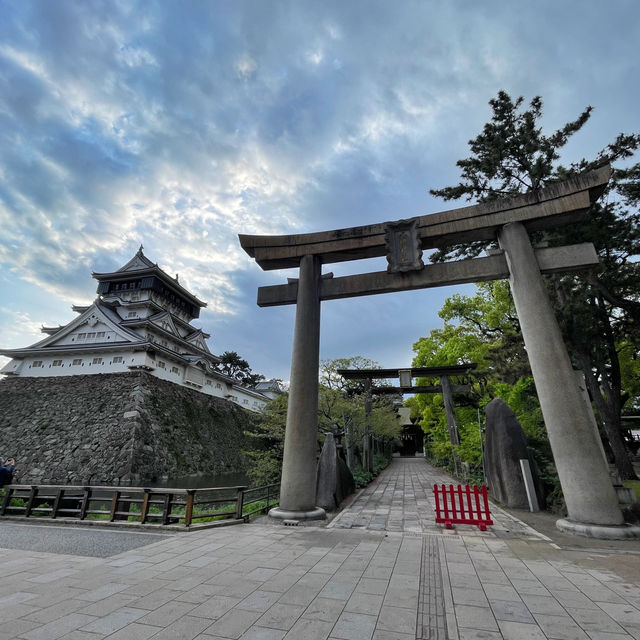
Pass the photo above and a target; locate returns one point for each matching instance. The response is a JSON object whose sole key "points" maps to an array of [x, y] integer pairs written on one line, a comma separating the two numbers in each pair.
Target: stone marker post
{"points": [[298, 484], [589, 494]]}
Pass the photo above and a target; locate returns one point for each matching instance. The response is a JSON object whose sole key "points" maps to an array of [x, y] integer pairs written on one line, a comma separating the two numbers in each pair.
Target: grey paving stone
{"points": [[532, 587], [515, 611], [543, 604], [397, 619], [214, 607], [372, 585], [622, 613], [479, 634], [107, 605], [234, 623], [594, 620], [58, 628], [166, 614], [306, 629], [263, 633], [602, 594], [475, 617], [325, 609], [134, 631], [58, 610], [561, 627], [80, 635], [114, 621], [201, 593], [101, 592], [520, 631], [153, 600], [354, 626], [381, 634], [462, 595], [398, 597], [576, 600], [259, 601], [281, 616], [261, 574], [18, 610], [364, 603]]}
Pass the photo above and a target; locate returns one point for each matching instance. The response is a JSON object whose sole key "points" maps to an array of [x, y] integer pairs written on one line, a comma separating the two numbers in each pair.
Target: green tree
{"points": [[341, 405], [599, 313], [339, 411], [330, 378], [233, 365], [266, 442]]}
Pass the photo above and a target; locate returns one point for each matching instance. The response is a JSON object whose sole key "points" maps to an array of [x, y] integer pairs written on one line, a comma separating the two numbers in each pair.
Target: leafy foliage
{"points": [[233, 365], [339, 412], [266, 442]]}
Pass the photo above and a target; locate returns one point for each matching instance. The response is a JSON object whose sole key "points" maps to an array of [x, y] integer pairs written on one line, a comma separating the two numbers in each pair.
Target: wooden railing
{"points": [[213, 505]]}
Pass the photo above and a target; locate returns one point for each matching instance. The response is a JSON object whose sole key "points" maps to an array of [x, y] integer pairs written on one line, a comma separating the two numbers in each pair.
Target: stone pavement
{"points": [[349, 580]]}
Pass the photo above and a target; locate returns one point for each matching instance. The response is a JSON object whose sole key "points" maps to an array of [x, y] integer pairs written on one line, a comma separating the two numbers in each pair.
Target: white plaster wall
{"points": [[218, 387]]}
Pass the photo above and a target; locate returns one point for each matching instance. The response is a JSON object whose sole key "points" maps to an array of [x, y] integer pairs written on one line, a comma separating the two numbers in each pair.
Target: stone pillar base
{"points": [[601, 531], [283, 514]]}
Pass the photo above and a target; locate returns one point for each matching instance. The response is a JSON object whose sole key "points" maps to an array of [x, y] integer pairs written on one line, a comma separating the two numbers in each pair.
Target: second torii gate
{"points": [[590, 497], [406, 377]]}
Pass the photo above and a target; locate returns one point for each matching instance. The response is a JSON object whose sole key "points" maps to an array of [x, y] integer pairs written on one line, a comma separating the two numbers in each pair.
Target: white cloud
{"points": [[179, 127]]}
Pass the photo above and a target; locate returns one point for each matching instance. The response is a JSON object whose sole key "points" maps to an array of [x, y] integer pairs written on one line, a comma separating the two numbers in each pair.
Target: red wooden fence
{"points": [[462, 505]]}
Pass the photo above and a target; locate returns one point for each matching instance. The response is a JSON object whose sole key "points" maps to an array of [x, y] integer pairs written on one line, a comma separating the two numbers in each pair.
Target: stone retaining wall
{"points": [[122, 428]]}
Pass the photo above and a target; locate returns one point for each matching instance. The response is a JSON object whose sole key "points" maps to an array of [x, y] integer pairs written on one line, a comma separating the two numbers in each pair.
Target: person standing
{"points": [[6, 471]]}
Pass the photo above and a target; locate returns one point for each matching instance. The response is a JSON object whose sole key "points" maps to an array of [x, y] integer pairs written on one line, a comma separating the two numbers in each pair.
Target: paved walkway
{"points": [[349, 580]]}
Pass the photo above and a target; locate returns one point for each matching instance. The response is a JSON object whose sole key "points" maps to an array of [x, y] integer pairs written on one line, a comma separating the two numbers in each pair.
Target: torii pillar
{"points": [[590, 497], [298, 484]]}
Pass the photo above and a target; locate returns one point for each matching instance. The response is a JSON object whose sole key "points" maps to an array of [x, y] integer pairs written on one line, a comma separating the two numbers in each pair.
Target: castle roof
{"points": [[141, 267]]}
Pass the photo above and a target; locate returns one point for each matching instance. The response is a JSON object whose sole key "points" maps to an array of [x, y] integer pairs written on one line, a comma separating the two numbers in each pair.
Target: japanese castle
{"points": [[141, 320]]}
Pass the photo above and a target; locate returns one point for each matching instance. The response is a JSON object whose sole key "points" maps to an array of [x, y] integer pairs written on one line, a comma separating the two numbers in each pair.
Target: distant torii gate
{"points": [[590, 497], [406, 376]]}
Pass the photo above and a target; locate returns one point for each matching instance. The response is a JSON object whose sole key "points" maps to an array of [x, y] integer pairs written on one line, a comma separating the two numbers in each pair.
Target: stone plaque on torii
{"points": [[406, 376], [590, 497]]}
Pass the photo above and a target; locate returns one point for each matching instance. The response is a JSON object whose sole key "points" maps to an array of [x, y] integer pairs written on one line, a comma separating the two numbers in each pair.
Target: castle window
{"points": [[174, 370], [161, 364], [37, 363], [208, 383], [246, 401], [57, 363], [131, 314], [116, 359], [91, 335], [97, 361], [100, 334], [82, 336], [76, 362], [218, 385]]}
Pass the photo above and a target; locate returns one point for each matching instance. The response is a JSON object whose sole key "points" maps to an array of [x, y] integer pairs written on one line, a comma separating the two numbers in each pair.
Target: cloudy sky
{"points": [[178, 125]]}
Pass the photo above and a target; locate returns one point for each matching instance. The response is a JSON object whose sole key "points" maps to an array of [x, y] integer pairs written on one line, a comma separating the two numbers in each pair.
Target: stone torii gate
{"points": [[590, 497]]}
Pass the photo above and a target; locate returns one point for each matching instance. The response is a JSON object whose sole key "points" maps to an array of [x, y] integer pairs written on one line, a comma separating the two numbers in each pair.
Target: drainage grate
{"points": [[432, 623], [291, 523]]}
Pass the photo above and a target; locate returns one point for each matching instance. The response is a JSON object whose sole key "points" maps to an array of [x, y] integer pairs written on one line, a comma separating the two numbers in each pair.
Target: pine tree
{"points": [[599, 313]]}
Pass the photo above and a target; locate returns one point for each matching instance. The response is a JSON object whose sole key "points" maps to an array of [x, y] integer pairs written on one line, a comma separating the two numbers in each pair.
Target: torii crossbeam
{"points": [[590, 497]]}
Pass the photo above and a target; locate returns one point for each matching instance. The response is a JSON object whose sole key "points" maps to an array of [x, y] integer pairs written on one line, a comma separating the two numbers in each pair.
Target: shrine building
{"points": [[141, 320]]}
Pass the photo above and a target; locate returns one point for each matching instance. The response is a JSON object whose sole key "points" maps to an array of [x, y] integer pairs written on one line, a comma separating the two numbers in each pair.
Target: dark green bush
{"points": [[361, 477]]}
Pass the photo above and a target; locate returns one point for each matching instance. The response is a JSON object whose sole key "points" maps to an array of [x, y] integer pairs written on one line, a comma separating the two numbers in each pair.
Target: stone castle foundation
{"points": [[128, 428]]}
